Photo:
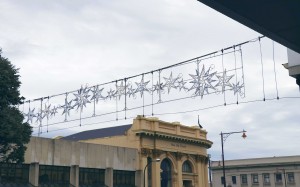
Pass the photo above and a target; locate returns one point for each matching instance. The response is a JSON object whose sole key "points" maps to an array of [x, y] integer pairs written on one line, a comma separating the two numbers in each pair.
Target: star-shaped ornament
{"points": [[53, 111], [30, 115], [171, 82], [39, 116], [67, 107], [237, 89], [131, 92], [224, 81], [158, 87], [181, 85], [97, 94], [111, 94], [47, 111], [81, 98], [142, 87], [120, 90], [202, 82]]}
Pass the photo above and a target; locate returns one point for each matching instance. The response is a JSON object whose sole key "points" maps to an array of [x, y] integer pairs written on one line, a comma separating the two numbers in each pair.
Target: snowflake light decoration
{"points": [[170, 82], [202, 81], [224, 81], [181, 85], [30, 115], [67, 107], [97, 94], [39, 116], [53, 111], [81, 98], [120, 90], [237, 89], [111, 94], [47, 111], [142, 86], [158, 87], [131, 92]]}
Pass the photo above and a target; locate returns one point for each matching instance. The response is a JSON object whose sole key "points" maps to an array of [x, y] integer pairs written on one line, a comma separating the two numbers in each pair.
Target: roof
{"points": [[99, 133], [276, 19], [258, 162]]}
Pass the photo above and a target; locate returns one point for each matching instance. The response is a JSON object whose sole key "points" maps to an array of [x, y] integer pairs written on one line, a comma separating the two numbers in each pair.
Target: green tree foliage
{"points": [[14, 134]]}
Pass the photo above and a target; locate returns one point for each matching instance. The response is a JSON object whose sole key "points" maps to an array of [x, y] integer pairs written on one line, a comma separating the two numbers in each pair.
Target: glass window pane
{"points": [[278, 178], [290, 177], [244, 179], [233, 178]]}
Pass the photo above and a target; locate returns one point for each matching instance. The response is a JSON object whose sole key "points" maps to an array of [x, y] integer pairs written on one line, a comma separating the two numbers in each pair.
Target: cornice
{"points": [[205, 143]]}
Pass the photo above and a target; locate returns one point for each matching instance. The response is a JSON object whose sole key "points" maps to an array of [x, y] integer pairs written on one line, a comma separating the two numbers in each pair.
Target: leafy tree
{"points": [[14, 134]]}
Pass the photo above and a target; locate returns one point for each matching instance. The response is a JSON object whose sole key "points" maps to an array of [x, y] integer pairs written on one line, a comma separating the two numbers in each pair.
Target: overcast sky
{"points": [[60, 46]]}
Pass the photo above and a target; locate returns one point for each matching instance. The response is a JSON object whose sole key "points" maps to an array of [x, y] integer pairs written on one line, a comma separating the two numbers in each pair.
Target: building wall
{"points": [[154, 139], [147, 138], [67, 153], [260, 167]]}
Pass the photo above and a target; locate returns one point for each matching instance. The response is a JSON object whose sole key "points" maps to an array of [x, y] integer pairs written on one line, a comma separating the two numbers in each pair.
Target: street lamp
{"points": [[156, 160], [224, 136]]}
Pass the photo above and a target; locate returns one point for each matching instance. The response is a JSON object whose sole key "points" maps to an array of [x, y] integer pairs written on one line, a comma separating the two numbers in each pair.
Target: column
{"points": [[138, 178], [205, 173], [109, 176], [143, 164], [156, 174], [34, 174], [200, 173], [74, 175], [179, 171]]}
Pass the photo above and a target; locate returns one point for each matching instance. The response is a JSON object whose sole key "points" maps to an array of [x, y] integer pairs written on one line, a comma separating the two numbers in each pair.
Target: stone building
{"points": [[258, 172], [171, 154]]}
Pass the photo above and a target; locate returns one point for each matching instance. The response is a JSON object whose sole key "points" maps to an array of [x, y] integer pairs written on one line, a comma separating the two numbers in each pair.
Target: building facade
{"points": [[258, 172], [182, 150], [148, 152]]}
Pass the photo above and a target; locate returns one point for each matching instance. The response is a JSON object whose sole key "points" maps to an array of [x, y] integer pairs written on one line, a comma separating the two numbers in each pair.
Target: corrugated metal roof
{"points": [[99, 133]]}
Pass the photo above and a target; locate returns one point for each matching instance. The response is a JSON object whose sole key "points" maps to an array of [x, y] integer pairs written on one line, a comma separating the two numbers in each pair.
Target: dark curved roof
{"points": [[98, 133]]}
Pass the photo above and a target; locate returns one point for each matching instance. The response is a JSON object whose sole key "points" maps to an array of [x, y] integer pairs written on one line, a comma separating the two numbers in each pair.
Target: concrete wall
{"points": [[67, 153]]}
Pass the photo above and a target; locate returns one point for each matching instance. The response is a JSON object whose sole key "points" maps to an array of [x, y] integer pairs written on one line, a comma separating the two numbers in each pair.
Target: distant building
{"points": [[258, 172], [117, 157]]}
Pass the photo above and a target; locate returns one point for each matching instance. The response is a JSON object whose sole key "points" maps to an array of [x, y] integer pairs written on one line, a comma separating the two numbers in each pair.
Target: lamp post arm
{"points": [[226, 134]]}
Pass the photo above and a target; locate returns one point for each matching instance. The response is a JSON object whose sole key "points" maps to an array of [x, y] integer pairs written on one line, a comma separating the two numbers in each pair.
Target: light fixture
{"points": [[244, 134]]}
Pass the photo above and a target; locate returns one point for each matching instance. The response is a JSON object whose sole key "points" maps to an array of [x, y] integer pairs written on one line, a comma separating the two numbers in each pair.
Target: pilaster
{"points": [[74, 175], [34, 174], [109, 175]]}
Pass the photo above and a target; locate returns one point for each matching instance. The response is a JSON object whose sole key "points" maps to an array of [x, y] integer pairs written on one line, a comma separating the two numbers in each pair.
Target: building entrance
{"points": [[187, 183]]}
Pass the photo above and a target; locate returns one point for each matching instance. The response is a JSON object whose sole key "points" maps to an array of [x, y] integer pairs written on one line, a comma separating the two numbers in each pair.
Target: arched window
{"points": [[187, 167], [166, 173]]}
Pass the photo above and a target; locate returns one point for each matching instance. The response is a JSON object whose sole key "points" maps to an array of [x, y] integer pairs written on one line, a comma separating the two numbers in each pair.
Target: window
{"points": [[186, 167], [59, 175], [290, 177], [222, 180], [14, 173], [124, 178], [278, 178], [233, 178], [244, 179], [90, 176], [266, 178], [166, 173], [254, 178]]}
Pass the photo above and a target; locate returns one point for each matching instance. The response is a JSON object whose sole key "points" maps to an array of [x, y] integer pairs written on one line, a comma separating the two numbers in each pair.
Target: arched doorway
{"points": [[166, 173]]}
